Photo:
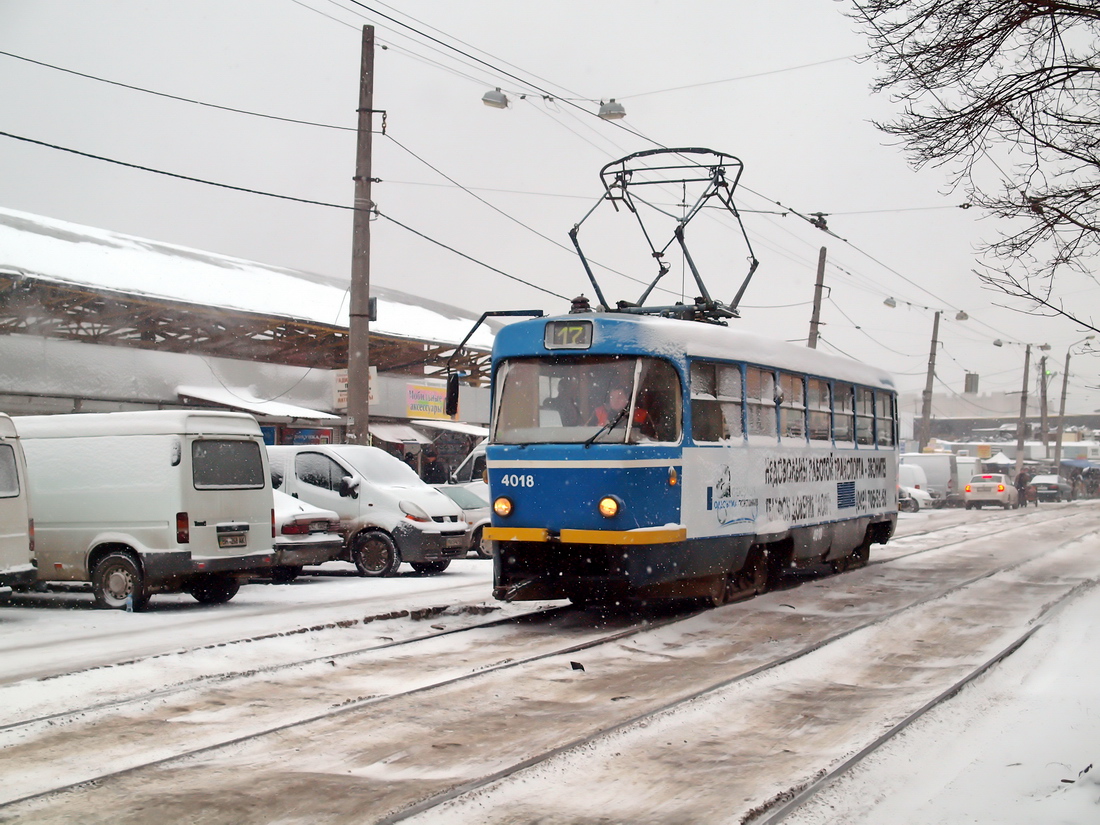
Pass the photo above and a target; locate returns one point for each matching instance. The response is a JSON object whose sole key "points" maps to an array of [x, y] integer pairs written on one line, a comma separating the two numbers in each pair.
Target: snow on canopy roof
{"points": [[76, 255]]}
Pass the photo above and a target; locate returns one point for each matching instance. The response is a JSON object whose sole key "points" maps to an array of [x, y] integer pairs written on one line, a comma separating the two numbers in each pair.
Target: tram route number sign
{"points": [[568, 335]]}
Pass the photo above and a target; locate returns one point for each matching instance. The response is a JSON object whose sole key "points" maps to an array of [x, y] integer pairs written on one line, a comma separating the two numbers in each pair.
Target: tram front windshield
{"points": [[587, 399]]}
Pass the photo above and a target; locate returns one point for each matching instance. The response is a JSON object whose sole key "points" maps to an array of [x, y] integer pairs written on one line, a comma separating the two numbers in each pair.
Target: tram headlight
{"points": [[673, 477], [610, 506], [502, 507]]}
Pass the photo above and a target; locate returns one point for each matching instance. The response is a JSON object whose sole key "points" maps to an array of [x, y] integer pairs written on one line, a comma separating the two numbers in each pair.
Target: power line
{"points": [[275, 195], [735, 79], [176, 97]]}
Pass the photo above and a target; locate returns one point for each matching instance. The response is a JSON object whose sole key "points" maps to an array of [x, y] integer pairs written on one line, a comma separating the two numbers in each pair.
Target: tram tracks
{"points": [[754, 660], [224, 677]]}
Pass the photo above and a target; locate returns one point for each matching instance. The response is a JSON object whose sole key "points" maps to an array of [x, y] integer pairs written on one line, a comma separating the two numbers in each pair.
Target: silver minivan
{"points": [[387, 514], [17, 570]]}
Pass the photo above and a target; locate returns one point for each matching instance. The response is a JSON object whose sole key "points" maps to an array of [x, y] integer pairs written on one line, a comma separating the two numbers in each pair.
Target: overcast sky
{"points": [[772, 83]]}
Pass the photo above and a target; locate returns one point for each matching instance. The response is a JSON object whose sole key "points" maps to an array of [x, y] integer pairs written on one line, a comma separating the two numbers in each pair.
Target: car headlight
{"points": [[413, 511]]}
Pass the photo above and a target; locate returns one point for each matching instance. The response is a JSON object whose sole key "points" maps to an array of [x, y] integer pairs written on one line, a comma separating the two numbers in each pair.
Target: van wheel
{"points": [[214, 589], [117, 578], [482, 547], [430, 566], [286, 573], [375, 555]]}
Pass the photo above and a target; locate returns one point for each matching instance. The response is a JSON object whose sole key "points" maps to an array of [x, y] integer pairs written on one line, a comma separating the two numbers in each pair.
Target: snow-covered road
{"points": [[709, 717]]}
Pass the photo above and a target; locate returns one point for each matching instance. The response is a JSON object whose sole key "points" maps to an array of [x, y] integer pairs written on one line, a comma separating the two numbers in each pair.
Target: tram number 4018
{"points": [[516, 480]]}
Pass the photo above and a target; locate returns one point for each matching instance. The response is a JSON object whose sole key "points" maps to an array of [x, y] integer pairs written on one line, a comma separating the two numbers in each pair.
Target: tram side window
{"points": [[843, 404], [865, 416], [884, 418], [715, 401], [760, 397], [819, 404], [792, 405], [657, 411]]}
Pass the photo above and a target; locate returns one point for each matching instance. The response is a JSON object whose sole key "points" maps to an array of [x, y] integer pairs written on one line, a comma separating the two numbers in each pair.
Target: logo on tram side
{"points": [[731, 506]]}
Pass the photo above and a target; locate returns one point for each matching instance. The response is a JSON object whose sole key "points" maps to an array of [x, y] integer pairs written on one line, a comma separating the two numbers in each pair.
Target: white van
{"points": [[942, 473], [387, 514], [145, 502], [471, 472], [17, 571]]}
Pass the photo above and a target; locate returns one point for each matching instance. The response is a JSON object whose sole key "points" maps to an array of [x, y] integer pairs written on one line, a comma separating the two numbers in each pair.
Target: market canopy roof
{"points": [[242, 399], [64, 280], [1079, 463]]}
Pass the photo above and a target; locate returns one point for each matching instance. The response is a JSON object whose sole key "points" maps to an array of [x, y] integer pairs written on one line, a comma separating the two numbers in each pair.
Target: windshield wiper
{"points": [[608, 427]]}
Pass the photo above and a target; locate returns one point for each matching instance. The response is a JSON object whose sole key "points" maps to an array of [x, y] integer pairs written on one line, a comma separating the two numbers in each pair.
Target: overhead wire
{"points": [[546, 95]]}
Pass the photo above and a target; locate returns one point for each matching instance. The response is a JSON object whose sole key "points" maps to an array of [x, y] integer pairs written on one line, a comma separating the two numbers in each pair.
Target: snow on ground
{"points": [[1020, 746]]}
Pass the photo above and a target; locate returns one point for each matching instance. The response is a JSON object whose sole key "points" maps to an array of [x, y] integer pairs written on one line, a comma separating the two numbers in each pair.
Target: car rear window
{"points": [[227, 464], [9, 479]]}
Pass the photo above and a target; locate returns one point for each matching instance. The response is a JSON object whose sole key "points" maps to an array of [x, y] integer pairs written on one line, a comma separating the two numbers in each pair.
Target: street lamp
{"points": [[1062, 407], [495, 98], [612, 110]]}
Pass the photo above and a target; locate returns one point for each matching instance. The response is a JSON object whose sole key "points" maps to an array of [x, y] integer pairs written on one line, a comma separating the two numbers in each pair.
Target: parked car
{"points": [[1052, 488], [304, 534], [148, 502], [941, 470], [17, 570], [912, 479], [477, 513], [387, 514], [918, 499], [990, 488], [471, 473]]}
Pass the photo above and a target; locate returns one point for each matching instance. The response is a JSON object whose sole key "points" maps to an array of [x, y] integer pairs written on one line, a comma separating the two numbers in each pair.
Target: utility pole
{"points": [[1021, 425], [816, 317], [926, 397], [1061, 417], [1043, 402], [359, 307]]}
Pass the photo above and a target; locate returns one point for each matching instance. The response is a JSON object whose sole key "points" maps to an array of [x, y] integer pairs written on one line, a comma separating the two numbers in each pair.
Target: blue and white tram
{"points": [[635, 456]]}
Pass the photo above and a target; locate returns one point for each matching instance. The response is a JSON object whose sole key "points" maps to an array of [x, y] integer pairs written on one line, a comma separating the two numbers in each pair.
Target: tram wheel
{"points": [[752, 579], [719, 592]]}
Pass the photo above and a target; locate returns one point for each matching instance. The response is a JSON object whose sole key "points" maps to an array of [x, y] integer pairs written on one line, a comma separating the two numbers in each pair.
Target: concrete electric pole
{"points": [[359, 307], [815, 319], [926, 396]]}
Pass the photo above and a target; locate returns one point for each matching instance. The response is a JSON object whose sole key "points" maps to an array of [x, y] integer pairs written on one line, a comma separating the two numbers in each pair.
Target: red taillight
{"points": [[183, 529], [295, 528], [272, 522], [1000, 488], [30, 533], [916, 486], [968, 488]]}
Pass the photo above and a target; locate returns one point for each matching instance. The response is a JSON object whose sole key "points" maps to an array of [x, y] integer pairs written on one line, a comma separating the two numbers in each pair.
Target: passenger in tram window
{"points": [[565, 402], [617, 399]]}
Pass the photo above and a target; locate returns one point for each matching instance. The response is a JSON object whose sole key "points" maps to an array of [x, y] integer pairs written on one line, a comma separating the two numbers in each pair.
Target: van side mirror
{"points": [[349, 487], [452, 394]]}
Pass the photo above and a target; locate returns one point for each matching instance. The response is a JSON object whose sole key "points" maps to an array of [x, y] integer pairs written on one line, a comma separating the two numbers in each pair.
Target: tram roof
{"points": [[669, 337]]}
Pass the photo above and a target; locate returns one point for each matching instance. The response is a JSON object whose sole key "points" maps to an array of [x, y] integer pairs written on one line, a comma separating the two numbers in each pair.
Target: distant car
{"points": [[1052, 488], [477, 513], [304, 534], [990, 488], [918, 499]]}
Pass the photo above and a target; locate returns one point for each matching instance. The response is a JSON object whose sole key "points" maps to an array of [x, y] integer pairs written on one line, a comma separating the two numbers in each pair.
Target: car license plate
{"points": [[318, 527], [454, 542], [232, 540]]}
